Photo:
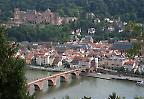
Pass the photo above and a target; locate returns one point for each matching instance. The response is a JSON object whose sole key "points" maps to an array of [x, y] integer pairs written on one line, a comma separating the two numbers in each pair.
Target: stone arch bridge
{"points": [[64, 76]]}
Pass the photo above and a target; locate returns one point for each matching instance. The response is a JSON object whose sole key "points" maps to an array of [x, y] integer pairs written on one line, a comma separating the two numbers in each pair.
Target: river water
{"points": [[84, 86]]}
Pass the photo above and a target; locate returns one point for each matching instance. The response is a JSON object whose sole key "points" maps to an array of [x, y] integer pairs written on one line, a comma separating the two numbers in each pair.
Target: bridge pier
{"points": [[29, 88]]}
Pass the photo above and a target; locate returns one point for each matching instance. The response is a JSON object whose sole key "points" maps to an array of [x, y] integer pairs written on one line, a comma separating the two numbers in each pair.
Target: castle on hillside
{"points": [[35, 17]]}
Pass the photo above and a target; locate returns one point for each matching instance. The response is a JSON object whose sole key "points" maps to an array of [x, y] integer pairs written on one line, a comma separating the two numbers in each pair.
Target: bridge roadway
{"points": [[38, 84]]}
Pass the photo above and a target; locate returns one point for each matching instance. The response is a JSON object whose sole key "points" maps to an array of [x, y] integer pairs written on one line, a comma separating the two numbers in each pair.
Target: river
{"points": [[84, 86]]}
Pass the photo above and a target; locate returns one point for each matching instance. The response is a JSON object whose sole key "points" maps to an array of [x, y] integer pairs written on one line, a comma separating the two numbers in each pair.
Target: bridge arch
{"points": [[51, 82], [74, 75], [63, 78], [37, 87], [83, 71]]}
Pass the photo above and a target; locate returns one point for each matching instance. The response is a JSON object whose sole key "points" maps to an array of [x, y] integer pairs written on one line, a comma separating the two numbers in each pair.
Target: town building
{"points": [[130, 65], [35, 17]]}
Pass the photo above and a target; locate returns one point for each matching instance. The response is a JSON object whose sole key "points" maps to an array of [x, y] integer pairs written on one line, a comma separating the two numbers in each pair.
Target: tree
{"points": [[66, 97], [66, 64], [139, 97], [85, 97], [12, 75], [113, 96], [131, 53], [136, 31]]}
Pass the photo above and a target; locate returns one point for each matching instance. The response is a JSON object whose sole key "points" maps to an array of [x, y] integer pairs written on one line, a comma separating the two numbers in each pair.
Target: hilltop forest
{"points": [[126, 9]]}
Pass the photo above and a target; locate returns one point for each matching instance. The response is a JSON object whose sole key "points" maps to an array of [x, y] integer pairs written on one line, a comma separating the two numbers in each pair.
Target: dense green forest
{"points": [[126, 9], [39, 33]]}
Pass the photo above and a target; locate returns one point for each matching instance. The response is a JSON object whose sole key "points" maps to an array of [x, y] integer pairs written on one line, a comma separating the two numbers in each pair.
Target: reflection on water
{"points": [[37, 94], [60, 87], [91, 87]]}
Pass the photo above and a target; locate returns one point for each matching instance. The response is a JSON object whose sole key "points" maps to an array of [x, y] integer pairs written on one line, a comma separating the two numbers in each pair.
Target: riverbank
{"points": [[94, 75], [116, 77], [31, 67]]}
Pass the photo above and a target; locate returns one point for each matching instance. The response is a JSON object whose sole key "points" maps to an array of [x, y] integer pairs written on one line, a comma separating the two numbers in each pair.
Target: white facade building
{"points": [[42, 60]]}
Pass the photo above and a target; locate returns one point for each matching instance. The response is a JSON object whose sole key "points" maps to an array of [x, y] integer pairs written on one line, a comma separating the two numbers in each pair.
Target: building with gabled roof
{"points": [[122, 45]]}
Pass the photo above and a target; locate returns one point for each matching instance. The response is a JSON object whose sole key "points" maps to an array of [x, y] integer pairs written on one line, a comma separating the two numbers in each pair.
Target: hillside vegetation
{"points": [[126, 9]]}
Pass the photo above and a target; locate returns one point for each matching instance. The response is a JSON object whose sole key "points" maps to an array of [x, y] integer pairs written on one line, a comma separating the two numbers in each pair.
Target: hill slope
{"points": [[126, 9]]}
